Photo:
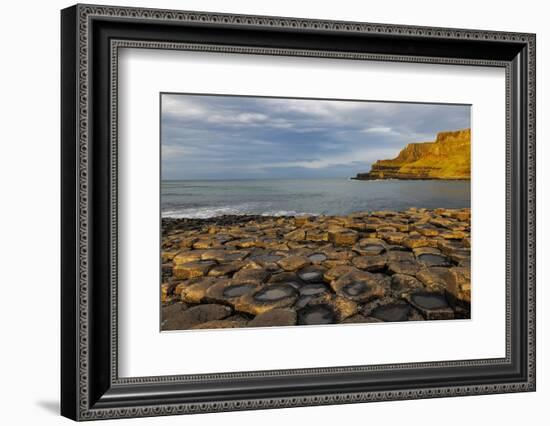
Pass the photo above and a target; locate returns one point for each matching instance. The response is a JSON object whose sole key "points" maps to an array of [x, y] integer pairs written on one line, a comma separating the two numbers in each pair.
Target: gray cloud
{"points": [[232, 137]]}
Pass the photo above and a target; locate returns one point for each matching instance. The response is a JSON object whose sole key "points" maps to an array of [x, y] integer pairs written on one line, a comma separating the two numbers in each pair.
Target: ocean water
{"points": [[210, 198]]}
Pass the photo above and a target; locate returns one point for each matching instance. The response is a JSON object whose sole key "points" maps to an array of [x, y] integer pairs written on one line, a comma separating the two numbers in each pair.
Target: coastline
{"points": [[252, 270], [364, 176]]}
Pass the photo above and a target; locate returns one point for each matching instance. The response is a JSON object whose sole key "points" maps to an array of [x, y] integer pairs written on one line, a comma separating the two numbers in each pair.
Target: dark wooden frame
{"points": [[90, 386]]}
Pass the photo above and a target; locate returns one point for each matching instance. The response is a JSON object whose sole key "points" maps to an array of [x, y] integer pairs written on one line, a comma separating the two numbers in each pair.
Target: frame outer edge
{"points": [[83, 13]]}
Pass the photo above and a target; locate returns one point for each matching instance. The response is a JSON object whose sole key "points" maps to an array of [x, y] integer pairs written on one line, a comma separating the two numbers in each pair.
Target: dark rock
{"points": [[274, 317], [227, 292], [293, 263], [193, 269], [196, 290], [316, 315], [278, 295], [401, 283], [392, 312], [370, 263], [433, 306], [196, 315], [251, 276], [312, 274], [359, 286]]}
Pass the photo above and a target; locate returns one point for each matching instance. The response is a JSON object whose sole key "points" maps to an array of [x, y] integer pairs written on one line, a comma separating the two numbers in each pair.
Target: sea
{"points": [[290, 197]]}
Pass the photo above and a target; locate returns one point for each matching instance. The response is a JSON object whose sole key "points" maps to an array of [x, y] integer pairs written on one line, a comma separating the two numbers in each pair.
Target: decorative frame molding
{"points": [[91, 388]]}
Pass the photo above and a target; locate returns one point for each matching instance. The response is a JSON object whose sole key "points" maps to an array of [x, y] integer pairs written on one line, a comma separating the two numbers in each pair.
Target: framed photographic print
{"points": [[263, 212]]}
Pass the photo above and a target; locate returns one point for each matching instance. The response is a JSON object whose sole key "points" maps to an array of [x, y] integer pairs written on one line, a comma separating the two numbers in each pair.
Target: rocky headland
{"points": [[446, 158], [254, 271]]}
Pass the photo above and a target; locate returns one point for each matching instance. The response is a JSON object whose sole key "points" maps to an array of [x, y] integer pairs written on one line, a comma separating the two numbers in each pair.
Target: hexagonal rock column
{"points": [[270, 296]]}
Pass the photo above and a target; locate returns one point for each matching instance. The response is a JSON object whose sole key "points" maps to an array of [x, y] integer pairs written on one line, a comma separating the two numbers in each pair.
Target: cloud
{"points": [[364, 156], [384, 130], [207, 136]]}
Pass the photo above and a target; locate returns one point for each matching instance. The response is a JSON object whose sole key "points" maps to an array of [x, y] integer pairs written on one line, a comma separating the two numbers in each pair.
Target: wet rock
{"points": [[227, 292], [453, 235], [418, 251], [341, 307], [251, 276], [224, 255], [337, 272], [242, 242], [172, 310], [359, 286], [343, 236], [312, 274], [196, 290], [297, 235], [166, 269], [430, 260], [359, 319], [317, 235], [192, 269], [289, 278], [316, 315], [393, 237], [225, 269], [226, 260], [460, 255], [441, 222], [371, 246], [275, 318], [458, 286], [166, 291], [225, 323], [206, 243], [329, 264], [392, 312], [168, 255], [187, 256], [449, 246], [433, 278], [274, 244], [317, 258], [303, 301], [292, 263], [268, 260], [401, 283], [404, 267], [432, 306], [400, 255], [427, 230], [278, 295], [195, 315], [370, 263], [414, 241], [187, 242], [301, 220], [313, 289], [462, 215], [384, 229]]}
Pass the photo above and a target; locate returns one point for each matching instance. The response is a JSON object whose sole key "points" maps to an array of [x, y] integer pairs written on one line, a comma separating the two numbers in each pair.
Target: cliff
{"points": [[446, 158]]}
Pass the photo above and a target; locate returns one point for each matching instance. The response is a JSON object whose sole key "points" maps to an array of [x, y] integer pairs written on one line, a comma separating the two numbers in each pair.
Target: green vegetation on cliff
{"points": [[446, 158]]}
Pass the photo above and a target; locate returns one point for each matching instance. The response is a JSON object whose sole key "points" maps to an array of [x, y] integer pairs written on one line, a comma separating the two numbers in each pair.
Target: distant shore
{"points": [[249, 271], [367, 176]]}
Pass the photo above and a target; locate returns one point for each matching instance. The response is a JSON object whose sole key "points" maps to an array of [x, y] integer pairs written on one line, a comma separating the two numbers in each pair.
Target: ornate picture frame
{"points": [[91, 37]]}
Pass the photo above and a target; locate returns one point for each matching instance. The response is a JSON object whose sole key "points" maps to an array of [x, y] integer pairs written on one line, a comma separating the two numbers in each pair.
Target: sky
{"points": [[234, 137]]}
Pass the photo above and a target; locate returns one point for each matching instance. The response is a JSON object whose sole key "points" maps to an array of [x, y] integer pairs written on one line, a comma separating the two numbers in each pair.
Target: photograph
{"points": [[280, 212]]}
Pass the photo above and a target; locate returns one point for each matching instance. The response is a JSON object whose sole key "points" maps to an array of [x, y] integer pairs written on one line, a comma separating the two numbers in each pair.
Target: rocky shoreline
{"points": [[254, 271]]}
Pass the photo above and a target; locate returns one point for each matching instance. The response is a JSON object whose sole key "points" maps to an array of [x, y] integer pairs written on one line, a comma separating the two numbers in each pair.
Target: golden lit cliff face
{"points": [[446, 158]]}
